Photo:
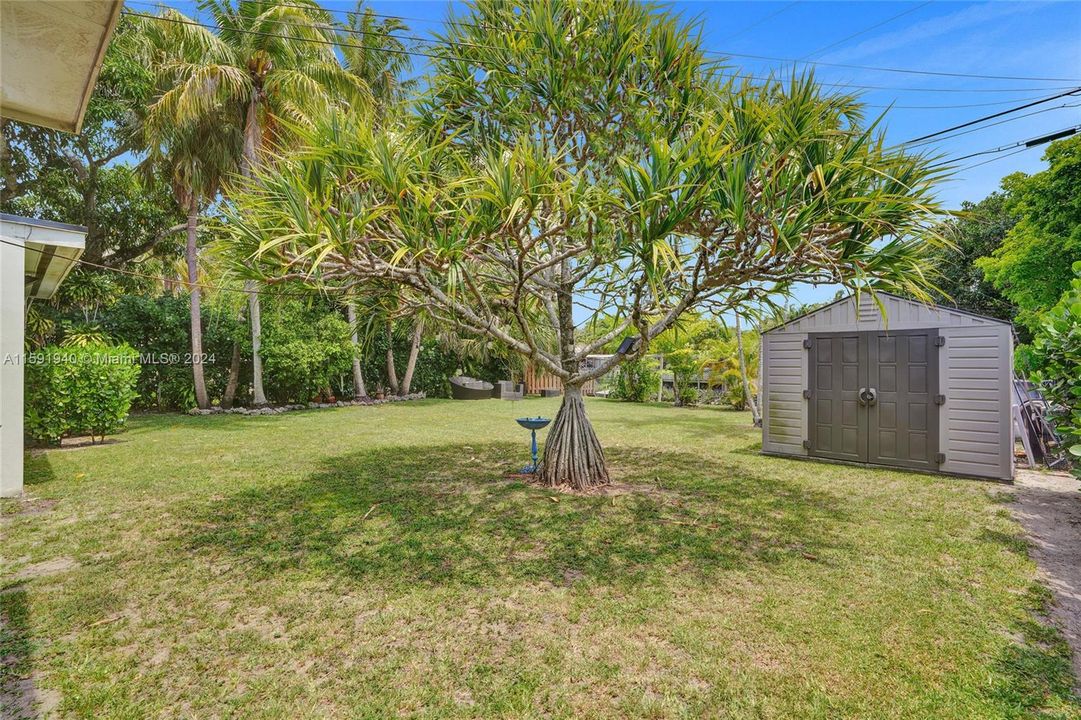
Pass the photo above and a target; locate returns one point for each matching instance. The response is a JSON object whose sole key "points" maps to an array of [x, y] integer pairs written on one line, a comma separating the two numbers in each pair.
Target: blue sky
{"points": [[1017, 39]]}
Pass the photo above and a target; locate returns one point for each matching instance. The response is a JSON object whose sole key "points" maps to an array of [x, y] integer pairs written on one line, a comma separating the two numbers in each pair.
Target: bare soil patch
{"points": [[1048, 506]]}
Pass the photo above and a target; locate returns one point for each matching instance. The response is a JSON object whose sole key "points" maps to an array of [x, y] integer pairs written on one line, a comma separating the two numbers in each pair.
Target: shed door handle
{"points": [[868, 396]]}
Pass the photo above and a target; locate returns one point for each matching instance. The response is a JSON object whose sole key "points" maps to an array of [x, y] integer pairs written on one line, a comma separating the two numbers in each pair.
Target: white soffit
{"points": [[50, 54], [52, 250]]}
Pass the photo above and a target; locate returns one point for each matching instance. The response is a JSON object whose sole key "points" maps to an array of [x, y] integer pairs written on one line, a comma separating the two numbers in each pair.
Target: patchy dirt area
{"points": [[1048, 505]]}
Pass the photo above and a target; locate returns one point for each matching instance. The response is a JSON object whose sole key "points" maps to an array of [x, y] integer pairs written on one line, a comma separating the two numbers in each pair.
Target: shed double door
{"points": [[872, 397]]}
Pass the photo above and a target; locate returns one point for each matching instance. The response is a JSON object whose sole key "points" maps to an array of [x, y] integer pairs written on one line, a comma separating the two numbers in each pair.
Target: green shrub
{"points": [[304, 348], [636, 380], [79, 391], [159, 327], [1056, 357]]}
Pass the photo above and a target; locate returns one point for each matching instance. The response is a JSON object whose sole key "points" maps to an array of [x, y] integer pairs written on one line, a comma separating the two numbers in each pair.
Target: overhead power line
{"points": [[985, 118], [1000, 122], [758, 22], [163, 279], [1023, 144], [877, 25], [726, 53]]}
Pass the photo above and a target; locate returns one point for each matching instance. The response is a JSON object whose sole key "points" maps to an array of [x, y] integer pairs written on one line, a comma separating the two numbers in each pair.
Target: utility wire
{"points": [[992, 116], [758, 22], [725, 53], [338, 43], [162, 279], [865, 30], [1023, 144], [999, 122], [991, 160]]}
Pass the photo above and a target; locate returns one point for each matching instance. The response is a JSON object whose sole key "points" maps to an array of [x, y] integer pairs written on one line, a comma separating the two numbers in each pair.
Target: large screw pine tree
{"points": [[591, 153]]}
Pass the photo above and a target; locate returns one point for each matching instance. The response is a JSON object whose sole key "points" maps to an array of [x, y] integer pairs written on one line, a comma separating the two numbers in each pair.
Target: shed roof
{"points": [[867, 310]]}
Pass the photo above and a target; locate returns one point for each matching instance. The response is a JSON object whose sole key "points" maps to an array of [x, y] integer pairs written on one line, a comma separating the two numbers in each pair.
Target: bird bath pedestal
{"points": [[533, 424]]}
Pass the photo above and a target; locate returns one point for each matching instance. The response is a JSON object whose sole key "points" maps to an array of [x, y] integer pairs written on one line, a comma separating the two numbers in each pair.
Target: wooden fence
{"points": [[537, 380]]}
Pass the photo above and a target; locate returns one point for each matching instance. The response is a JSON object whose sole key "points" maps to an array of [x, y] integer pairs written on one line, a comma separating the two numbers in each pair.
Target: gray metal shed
{"points": [[925, 387]]}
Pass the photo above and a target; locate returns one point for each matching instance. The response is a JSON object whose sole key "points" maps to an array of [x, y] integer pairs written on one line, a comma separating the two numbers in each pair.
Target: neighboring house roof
{"points": [[52, 249], [869, 310], [51, 53]]}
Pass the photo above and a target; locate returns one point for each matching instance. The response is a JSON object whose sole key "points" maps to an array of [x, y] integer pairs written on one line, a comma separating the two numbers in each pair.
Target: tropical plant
{"points": [[267, 67], [612, 163], [1032, 265], [636, 380], [1056, 356], [197, 158], [79, 391], [84, 179]]}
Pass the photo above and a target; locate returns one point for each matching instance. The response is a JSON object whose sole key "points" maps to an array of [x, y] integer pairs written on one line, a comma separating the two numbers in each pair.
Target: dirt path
{"points": [[1048, 505]]}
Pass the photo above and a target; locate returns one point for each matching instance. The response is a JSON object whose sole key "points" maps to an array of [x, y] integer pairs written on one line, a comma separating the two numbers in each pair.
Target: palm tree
{"points": [[756, 418], [380, 59], [266, 69], [197, 158]]}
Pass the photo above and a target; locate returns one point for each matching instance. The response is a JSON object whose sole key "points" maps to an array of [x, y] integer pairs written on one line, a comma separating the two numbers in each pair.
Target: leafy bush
{"points": [[79, 391], [686, 369], [636, 380], [160, 327], [1056, 357], [304, 349]]}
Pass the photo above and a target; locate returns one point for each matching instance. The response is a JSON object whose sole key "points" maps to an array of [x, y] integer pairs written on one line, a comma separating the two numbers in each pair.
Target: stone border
{"points": [[279, 409]]}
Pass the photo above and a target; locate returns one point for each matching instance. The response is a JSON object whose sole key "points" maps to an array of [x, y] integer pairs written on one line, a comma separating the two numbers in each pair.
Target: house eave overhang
{"points": [[51, 250], [51, 53]]}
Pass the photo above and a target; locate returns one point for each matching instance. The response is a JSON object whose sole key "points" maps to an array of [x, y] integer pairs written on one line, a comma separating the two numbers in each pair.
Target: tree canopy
{"points": [[590, 150], [1032, 265]]}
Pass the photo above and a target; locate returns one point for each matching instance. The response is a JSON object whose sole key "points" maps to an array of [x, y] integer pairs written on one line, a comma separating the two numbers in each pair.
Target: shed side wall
{"points": [[976, 426], [784, 371]]}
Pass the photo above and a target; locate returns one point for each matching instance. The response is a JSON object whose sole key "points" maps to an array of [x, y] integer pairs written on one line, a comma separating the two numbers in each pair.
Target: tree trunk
{"points": [[253, 135], [392, 373], [201, 398], [572, 452], [747, 394], [256, 317], [359, 390], [229, 395], [411, 363]]}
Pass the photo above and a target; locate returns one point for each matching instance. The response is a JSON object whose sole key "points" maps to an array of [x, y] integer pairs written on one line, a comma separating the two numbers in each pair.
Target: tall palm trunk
{"points": [[392, 373], [747, 394], [201, 398], [255, 316], [411, 364], [359, 390], [253, 134]]}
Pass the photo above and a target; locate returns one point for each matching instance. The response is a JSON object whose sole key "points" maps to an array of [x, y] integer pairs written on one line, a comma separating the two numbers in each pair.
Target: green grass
{"points": [[374, 562]]}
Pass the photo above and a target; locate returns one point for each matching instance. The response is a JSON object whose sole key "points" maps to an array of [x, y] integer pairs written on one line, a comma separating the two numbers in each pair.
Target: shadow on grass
{"points": [[446, 514], [1034, 672]]}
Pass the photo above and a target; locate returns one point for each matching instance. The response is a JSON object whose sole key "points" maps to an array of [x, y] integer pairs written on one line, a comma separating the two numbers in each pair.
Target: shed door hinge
{"points": [[940, 399], [940, 458], [807, 394], [806, 444], [940, 341], [807, 343]]}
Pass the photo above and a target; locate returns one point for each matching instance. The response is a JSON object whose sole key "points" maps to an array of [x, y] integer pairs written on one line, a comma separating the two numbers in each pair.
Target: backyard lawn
{"points": [[372, 562]]}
